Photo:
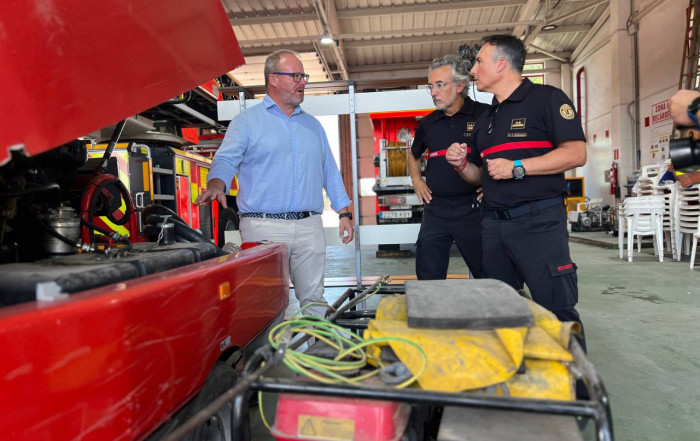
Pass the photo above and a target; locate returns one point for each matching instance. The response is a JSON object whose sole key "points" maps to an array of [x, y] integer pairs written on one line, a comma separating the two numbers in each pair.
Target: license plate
{"points": [[396, 214]]}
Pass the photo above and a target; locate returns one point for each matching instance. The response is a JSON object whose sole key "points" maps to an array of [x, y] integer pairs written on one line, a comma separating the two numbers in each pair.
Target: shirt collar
{"points": [[519, 92], [467, 109], [269, 102]]}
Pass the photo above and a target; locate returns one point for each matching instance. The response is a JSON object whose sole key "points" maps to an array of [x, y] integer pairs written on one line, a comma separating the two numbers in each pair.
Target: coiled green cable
{"points": [[327, 370]]}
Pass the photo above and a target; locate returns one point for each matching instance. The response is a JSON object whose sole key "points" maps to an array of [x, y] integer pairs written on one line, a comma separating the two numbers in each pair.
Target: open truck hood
{"points": [[70, 67]]}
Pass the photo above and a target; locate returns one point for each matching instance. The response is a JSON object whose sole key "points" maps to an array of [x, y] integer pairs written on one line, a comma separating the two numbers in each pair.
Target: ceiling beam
{"points": [[270, 19], [392, 66], [604, 17], [423, 65], [638, 15], [550, 19], [567, 29], [461, 37], [249, 51], [493, 28], [427, 7], [526, 14], [288, 42], [368, 39], [553, 20], [305, 44], [329, 20], [550, 54], [490, 27]]}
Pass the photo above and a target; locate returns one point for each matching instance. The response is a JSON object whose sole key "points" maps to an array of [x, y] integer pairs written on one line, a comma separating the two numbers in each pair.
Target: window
{"points": [[536, 78], [581, 96]]}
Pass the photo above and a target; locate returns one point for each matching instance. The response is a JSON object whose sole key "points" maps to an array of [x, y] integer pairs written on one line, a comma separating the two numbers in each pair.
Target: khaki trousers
{"points": [[307, 253]]}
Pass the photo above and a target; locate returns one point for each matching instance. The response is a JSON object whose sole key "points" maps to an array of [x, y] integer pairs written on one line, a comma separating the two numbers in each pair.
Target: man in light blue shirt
{"points": [[284, 162]]}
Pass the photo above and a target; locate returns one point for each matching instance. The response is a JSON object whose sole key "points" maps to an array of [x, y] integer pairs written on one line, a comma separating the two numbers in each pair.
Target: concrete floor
{"points": [[642, 322]]}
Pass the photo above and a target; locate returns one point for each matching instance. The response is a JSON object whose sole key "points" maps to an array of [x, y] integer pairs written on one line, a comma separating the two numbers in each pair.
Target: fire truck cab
{"points": [[120, 317]]}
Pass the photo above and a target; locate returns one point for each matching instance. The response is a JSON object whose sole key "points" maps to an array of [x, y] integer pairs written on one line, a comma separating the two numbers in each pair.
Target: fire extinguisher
{"points": [[614, 188]]}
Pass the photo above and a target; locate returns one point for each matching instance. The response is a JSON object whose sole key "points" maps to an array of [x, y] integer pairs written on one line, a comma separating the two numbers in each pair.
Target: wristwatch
{"points": [[693, 109], [348, 215], [518, 169]]}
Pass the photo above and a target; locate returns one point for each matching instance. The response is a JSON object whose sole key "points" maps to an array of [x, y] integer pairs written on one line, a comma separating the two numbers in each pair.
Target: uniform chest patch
{"points": [[517, 123], [566, 111], [469, 129]]}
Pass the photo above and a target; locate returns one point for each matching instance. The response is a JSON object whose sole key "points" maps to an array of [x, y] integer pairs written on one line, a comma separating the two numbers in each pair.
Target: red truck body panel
{"points": [[61, 60], [113, 363]]}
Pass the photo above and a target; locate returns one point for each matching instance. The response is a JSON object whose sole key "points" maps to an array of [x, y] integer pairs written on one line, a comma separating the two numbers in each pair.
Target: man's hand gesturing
{"points": [[215, 192], [457, 155]]}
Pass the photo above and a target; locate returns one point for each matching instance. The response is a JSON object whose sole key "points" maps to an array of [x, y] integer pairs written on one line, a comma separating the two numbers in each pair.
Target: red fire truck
{"points": [[106, 335]]}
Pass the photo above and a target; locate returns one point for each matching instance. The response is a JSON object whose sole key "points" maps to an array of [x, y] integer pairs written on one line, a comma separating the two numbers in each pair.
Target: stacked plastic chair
{"points": [[641, 216], [696, 235], [649, 184], [688, 212]]}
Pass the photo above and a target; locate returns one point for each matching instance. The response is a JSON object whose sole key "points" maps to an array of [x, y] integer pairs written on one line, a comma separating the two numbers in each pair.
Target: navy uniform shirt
{"points": [[531, 122], [436, 133]]}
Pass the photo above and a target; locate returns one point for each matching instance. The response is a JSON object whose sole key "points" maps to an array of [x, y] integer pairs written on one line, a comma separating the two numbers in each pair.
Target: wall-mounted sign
{"points": [[660, 112]]}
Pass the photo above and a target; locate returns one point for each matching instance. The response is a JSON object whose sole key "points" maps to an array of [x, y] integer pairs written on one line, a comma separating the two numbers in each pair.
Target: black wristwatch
{"points": [[693, 109], [348, 215], [518, 169]]}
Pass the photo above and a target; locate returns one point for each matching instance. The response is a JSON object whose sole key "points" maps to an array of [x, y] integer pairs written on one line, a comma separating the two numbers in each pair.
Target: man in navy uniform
{"points": [[451, 211], [526, 141]]}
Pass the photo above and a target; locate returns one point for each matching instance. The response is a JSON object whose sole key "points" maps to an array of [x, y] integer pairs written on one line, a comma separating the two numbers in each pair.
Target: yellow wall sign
{"points": [[337, 429]]}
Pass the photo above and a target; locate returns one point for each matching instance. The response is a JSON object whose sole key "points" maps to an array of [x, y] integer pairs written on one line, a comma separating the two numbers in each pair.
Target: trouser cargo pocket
{"points": [[564, 284]]}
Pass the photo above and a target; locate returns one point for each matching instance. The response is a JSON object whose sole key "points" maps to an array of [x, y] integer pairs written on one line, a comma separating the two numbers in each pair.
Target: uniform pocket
{"points": [[564, 284]]}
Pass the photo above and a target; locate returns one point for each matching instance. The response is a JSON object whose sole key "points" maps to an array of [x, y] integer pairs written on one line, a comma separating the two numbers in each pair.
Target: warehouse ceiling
{"points": [[395, 40]]}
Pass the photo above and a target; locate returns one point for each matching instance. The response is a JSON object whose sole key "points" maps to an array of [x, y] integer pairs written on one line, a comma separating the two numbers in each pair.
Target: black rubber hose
{"points": [[124, 193], [30, 190], [63, 238], [161, 210], [106, 232], [182, 230]]}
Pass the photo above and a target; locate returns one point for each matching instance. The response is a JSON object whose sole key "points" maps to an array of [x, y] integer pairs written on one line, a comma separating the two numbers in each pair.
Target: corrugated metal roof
{"points": [[384, 39]]}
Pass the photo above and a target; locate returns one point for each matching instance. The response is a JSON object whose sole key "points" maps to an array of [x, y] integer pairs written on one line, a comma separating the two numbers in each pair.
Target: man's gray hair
{"points": [[273, 60], [460, 69]]}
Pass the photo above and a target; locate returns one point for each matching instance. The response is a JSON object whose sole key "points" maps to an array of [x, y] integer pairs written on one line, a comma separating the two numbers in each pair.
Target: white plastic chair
{"points": [[695, 247], [654, 172], [650, 184], [687, 215], [641, 216], [696, 236]]}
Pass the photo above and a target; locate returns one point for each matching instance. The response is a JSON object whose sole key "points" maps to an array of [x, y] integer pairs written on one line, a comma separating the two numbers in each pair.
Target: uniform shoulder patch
{"points": [[566, 111]]}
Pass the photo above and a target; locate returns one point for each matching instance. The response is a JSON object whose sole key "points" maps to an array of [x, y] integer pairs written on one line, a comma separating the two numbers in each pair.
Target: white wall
{"points": [[660, 42], [554, 78], [597, 124]]}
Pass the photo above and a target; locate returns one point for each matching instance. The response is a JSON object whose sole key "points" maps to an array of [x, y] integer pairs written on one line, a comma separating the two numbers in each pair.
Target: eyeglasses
{"points": [[493, 119], [296, 76], [439, 86]]}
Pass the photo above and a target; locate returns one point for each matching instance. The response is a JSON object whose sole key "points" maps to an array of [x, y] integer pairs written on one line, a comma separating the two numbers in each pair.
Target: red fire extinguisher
{"points": [[613, 178]]}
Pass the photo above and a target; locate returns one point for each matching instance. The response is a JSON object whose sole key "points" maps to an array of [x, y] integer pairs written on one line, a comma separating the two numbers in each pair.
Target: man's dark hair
{"points": [[508, 47]]}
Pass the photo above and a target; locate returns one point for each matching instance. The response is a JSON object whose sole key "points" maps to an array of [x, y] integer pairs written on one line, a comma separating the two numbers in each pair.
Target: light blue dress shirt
{"points": [[283, 162]]}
